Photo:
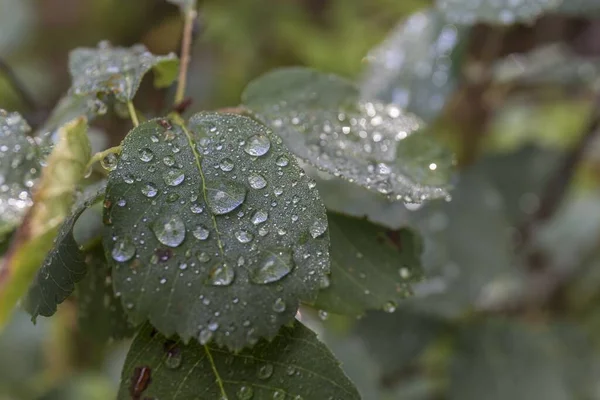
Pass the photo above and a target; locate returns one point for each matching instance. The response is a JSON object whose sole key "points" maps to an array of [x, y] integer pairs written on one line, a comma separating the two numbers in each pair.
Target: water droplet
{"points": [[109, 162], [221, 275], [244, 236], [224, 196], [282, 161], [203, 257], [258, 145], [169, 161], [124, 250], [259, 217], [169, 230], [173, 177], [404, 273], [146, 155], [265, 371], [226, 165], [318, 228], [279, 305], [201, 233], [290, 370], [278, 395], [257, 181], [196, 208], [323, 315], [149, 190], [174, 358], [389, 307], [245, 393], [273, 267], [324, 282], [205, 336]]}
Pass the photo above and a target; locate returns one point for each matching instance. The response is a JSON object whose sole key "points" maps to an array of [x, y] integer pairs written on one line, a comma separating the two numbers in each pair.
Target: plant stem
{"points": [[100, 155], [186, 45], [133, 114]]}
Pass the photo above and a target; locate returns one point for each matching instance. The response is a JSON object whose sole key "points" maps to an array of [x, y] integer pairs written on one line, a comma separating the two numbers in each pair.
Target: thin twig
{"points": [[16, 83], [186, 45]]}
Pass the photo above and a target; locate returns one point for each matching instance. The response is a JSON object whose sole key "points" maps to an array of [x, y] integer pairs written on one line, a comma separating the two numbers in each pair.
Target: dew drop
{"points": [[221, 275], [245, 393], [257, 181], [169, 230], [273, 267], [224, 196], [279, 305], [205, 336], [201, 233], [149, 190], [226, 165], [258, 145], [244, 236], [174, 358], [282, 161], [173, 177], [203, 257], [259, 217], [146, 155], [109, 162], [323, 315], [169, 161], [265, 371], [324, 282], [124, 250], [318, 228], [404, 273], [278, 395], [389, 307]]}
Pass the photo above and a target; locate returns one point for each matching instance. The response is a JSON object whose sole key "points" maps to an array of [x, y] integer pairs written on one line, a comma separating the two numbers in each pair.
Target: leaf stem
{"points": [[186, 45], [133, 114], [101, 154]]}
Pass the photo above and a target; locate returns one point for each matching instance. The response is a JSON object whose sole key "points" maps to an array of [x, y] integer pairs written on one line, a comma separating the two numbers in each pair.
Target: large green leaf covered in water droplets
{"points": [[215, 232], [294, 366], [118, 70], [19, 168], [323, 121]]}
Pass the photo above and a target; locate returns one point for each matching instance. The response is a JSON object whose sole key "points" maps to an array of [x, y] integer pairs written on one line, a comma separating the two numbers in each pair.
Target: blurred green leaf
{"points": [[322, 120], [414, 67], [184, 4], [371, 267], [16, 20], [503, 12], [117, 70], [52, 202], [214, 230], [294, 365], [65, 264], [19, 169], [585, 8]]}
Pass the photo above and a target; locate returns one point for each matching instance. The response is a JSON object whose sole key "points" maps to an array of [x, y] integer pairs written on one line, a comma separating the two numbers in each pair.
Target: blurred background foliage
{"points": [[510, 304]]}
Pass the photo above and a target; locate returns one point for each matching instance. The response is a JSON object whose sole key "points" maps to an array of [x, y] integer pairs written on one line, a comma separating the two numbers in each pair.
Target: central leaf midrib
{"points": [[215, 371]]}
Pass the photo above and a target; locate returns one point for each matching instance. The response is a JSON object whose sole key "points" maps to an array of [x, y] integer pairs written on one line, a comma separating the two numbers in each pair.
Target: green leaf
{"points": [[372, 267], [414, 67], [52, 203], [100, 313], [16, 20], [184, 4], [64, 265], [19, 170], [117, 70], [323, 121], [295, 365], [584, 8], [213, 228], [502, 12]]}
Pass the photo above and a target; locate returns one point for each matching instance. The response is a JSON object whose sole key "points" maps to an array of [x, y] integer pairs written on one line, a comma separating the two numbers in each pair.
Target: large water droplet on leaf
{"points": [[257, 181], [169, 230], [273, 267], [149, 190], [109, 162], [124, 250], [201, 233], [318, 228], [245, 393], [258, 145], [173, 177], [224, 196], [221, 275], [265, 371], [259, 217]]}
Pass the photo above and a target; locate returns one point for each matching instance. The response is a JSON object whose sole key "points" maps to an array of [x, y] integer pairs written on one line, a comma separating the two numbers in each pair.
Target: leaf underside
{"points": [[323, 121], [295, 365], [214, 231]]}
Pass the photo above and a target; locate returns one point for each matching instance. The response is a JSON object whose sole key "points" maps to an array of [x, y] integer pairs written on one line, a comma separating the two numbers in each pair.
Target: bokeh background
{"points": [[517, 104]]}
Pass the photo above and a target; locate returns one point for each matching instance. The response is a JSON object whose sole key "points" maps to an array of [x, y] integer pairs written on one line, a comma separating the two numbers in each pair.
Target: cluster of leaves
{"points": [[317, 193]]}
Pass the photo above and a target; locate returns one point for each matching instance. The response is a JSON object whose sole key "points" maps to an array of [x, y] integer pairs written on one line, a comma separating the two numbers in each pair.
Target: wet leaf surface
{"points": [[503, 12], [214, 231], [295, 365]]}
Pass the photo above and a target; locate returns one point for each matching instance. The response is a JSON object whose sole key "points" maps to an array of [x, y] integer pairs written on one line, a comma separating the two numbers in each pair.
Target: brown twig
{"points": [[186, 45]]}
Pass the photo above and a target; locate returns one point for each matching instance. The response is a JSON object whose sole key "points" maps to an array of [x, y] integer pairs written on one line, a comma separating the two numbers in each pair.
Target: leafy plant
{"points": [[240, 249]]}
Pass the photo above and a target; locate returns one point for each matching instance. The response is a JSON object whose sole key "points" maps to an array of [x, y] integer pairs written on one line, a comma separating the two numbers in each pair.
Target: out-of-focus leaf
{"points": [[413, 67], [52, 202], [324, 122], [117, 70], [551, 64], [19, 169], [500, 360], [184, 4], [64, 265], [87, 386], [15, 21], [585, 8], [295, 365], [503, 12], [371, 267], [214, 230], [100, 313]]}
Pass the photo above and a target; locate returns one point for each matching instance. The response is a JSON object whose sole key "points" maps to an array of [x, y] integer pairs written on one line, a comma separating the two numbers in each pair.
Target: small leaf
{"points": [[117, 70], [503, 12], [64, 265], [100, 313], [19, 170], [52, 202], [295, 365], [372, 267], [414, 67], [209, 229], [322, 120]]}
